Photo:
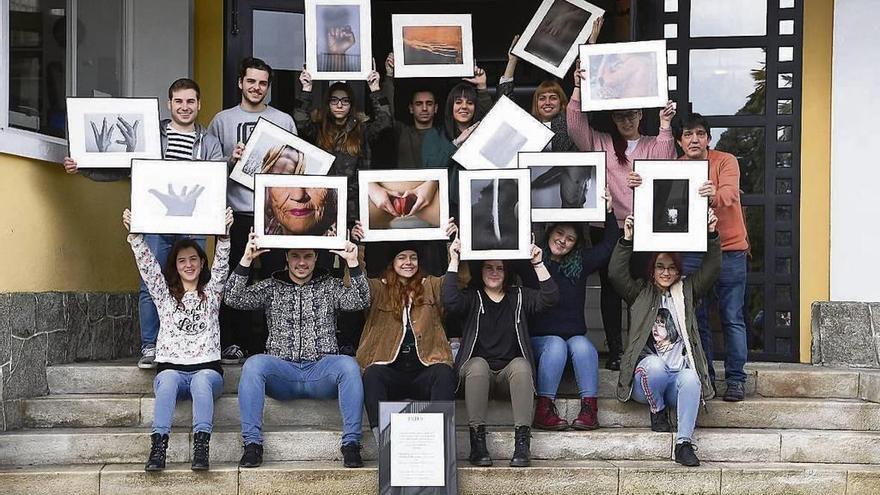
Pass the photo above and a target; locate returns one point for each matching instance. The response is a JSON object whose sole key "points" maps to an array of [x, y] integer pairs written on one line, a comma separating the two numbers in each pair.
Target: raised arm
{"points": [[356, 295], [220, 268], [547, 295], [663, 147], [238, 294], [597, 256], [151, 271], [455, 301], [618, 267], [302, 109], [381, 119]]}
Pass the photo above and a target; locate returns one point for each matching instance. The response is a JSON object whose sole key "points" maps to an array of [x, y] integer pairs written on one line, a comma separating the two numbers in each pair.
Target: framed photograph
{"points": [[338, 39], [300, 211], [178, 197], [669, 213], [566, 187], [432, 45], [404, 205], [551, 39], [111, 132], [495, 214], [270, 149], [505, 131], [624, 75]]}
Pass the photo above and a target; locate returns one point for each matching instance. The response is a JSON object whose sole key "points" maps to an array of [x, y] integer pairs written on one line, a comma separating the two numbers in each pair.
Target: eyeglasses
{"points": [[344, 101], [630, 116], [671, 269]]}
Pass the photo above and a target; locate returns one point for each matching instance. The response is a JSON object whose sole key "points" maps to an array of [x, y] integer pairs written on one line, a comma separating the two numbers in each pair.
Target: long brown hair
{"points": [[172, 278], [346, 138], [549, 86], [399, 289]]}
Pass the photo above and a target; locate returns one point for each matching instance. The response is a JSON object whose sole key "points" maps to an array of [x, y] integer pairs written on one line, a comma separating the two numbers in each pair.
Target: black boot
{"points": [[660, 421], [252, 457], [521, 447], [684, 454], [351, 455], [156, 462], [479, 453], [200, 451]]}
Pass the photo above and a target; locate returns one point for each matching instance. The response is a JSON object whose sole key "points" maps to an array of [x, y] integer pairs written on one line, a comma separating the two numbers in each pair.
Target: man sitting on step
{"points": [[301, 359]]}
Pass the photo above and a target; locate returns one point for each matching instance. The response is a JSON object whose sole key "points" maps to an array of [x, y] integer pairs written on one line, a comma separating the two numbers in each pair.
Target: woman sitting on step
{"points": [[664, 363], [187, 296]]}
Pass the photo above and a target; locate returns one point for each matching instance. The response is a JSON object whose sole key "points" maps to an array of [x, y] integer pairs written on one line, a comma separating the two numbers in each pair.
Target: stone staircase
{"points": [[802, 429]]}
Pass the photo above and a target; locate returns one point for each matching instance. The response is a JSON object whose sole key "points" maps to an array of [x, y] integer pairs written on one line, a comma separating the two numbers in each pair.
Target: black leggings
{"points": [[389, 382]]}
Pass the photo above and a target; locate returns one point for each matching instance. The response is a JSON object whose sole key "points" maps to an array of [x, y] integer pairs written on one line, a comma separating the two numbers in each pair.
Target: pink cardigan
{"points": [[661, 147]]}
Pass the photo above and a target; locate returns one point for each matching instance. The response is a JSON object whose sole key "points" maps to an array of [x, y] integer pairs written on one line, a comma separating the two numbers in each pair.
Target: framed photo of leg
{"points": [[566, 187], [495, 209]]}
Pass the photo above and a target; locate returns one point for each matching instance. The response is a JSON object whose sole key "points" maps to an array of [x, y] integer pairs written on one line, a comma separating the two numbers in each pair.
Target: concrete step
{"points": [[105, 410], [131, 445], [558, 477]]}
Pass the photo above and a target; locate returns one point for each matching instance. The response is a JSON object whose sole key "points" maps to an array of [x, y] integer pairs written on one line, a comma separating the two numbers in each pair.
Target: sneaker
{"points": [[148, 357], [252, 457], [685, 455], [735, 392], [351, 455], [660, 421], [232, 355], [613, 362]]}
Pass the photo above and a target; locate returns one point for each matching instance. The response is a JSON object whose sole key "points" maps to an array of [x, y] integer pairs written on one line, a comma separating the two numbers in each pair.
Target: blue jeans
{"points": [[730, 292], [552, 352], [202, 386], [658, 386], [327, 378], [160, 245]]}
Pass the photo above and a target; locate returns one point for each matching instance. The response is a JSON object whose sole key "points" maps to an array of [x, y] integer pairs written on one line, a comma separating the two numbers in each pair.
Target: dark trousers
{"points": [[389, 382]]}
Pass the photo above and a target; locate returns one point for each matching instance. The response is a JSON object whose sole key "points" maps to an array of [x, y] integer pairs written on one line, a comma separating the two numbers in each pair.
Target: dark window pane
{"points": [[783, 107], [747, 145], [783, 238], [783, 186], [754, 316], [728, 81], [728, 18], [783, 213], [783, 345], [755, 227], [783, 319], [783, 294], [783, 133], [783, 160], [783, 266]]}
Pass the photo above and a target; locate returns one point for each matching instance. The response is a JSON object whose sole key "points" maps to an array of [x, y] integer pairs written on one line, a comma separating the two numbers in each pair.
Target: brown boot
{"points": [[588, 418], [547, 417]]}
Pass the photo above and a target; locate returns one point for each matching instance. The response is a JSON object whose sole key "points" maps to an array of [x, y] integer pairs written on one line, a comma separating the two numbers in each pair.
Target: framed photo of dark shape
{"points": [[624, 75], [432, 45], [178, 197], [338, 44], [566, 187], [111, 132], [417, 448], [551, 39], [300, 211], [404, 205], [669, 213], [495, 209]]}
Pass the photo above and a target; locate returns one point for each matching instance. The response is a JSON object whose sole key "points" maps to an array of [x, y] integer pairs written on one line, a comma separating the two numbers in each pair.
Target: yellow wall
{"points": [[63, 233], [815, 221]]}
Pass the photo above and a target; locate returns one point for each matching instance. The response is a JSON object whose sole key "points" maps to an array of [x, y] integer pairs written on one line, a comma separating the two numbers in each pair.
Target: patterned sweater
{"points": [[301, 318], [189, 331]]}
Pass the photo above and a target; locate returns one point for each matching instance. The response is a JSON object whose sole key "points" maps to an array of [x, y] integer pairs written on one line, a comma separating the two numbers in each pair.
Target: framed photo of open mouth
{"points": [[432, 45], [495, 214], [300, 211], [404, 205], [566, 187], [669, 213], [338, 45], [619, 76]]}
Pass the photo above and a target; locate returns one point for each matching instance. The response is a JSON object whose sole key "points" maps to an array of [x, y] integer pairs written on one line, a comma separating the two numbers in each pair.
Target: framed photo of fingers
{"points": [[111, 132], [432, 45], [178, 197], [669, 213], [551, 39], [624, 75], [300, 211], [404, 205], [338, 34], [566, 187], [271, 149], [495, 214]]}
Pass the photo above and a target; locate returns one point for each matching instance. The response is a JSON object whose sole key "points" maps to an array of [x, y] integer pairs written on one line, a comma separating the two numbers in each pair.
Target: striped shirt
{"points": [[180, 144]]}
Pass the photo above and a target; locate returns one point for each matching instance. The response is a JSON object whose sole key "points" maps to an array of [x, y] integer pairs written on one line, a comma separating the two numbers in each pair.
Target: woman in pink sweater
{"points": [[623, 145]]}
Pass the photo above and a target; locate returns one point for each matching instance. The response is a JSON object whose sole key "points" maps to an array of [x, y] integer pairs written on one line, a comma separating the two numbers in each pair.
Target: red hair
{"points": [[676, 260]]}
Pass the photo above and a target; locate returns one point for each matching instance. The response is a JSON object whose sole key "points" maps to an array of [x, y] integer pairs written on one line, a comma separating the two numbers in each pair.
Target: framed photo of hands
{"points": [[668, 212], [111, 132], [404, 205], [338, 34], [432, 45]]}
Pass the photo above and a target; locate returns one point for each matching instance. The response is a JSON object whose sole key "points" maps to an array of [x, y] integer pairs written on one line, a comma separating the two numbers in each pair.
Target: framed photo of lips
{"points": [[404, 205], [668, 212], [300, 211]]}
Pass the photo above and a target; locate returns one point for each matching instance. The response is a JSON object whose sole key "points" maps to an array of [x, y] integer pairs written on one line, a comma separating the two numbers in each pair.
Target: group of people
{"points": [[518, 325]]}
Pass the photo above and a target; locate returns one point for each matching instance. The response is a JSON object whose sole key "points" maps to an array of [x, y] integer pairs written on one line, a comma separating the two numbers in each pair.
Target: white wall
{"points": [[855, 168]]}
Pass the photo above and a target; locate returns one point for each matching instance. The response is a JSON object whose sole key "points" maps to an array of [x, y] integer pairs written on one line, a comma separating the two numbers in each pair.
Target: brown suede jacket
{"points": [[383, 330]]}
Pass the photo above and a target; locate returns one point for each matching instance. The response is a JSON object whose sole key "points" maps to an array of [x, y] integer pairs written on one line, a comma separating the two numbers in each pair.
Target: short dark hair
{"points": [[691, 122], [423, 90], [253, 63], [184, 83]]}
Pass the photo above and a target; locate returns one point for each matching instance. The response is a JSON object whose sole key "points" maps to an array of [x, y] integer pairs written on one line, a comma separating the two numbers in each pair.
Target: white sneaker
{"points": [[148, 358], [232, 355]]}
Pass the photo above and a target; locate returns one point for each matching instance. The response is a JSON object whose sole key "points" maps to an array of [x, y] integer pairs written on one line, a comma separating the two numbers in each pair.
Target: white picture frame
{"points": [[481, 219], [328, 230], [353, 17], [429, 225], [178, 197], [432, 45], [668, 212], [624, 75], [505, 131], [576, 180], [267, 138], [549, 43], [94, 125]]}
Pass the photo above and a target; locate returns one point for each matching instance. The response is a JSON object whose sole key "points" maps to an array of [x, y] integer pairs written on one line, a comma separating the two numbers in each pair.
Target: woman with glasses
{"points": [[664, 364]]}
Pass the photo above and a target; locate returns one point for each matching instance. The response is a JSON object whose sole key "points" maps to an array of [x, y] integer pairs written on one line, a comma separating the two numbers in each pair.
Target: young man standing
{"points": [[302, 357], [423, 108], [233, 127], [182, 139]]}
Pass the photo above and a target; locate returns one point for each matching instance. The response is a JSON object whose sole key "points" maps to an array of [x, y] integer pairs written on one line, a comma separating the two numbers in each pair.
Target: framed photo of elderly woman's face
{"points": [[271, 149], [404, 205], [551, 39], [623, 75], [338, 45], [495, 208], [566, 187], [300, 211], [432, 45], [111, 132], [669, 213]]}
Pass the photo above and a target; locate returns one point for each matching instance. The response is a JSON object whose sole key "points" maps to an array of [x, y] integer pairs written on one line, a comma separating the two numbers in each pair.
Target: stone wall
{"points": [[846, 334], [45, 328]]}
